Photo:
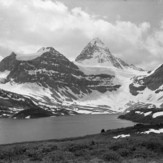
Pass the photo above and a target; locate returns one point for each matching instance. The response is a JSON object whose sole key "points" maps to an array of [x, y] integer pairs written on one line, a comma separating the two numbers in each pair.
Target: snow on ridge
{"points": [[147, 113], [142, 113], [43, 50], [154, 70], [31, 56], [155, 115]]}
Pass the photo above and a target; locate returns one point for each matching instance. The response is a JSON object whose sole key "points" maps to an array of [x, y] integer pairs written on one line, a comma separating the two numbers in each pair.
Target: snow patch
{"points": [[138, 112], [158, 114], [28, 117], [147, 113], [121, 136], [153, 131], [4, 74]]}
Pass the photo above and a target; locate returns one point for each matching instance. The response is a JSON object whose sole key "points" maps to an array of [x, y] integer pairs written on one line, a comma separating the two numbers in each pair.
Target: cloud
{"points": [[30, 24]]}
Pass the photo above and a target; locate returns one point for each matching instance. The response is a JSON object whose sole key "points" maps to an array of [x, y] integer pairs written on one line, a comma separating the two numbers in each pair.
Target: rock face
{"points": [[152, 81], [11, 103], [8, 63], [148, 88], [155, 79], [96, 53]]}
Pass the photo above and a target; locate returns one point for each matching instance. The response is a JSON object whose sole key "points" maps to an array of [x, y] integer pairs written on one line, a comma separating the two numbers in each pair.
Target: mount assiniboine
{"points": [[96, 83]]}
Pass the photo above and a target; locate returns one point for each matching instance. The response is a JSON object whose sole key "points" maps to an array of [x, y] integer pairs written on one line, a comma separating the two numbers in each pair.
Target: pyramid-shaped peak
{"points": [[13, 54], [95, 52], [97, 42]]}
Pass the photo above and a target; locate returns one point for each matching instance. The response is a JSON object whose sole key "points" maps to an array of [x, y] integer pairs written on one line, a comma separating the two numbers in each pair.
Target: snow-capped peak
{"points": [[49, 52], [97, 42], [96, 53], [46, 49]]}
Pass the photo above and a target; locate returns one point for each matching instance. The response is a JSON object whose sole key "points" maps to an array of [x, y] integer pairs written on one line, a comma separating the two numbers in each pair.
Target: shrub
{"points": [[49, 148], [102, 131], [60, 156], [119, 144], [151, 144], [143, 153], [124, 152], [77, 147], [35, 157], [111, 156]]}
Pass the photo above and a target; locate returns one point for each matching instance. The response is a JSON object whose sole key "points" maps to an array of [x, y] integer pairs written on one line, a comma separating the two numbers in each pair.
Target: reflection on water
{"points": [[57, 127]]}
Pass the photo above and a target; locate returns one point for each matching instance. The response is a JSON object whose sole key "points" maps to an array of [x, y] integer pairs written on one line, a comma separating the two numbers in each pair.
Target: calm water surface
{"points": [[57, 127]]}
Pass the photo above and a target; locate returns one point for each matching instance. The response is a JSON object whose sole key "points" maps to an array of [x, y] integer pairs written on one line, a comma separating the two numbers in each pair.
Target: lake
{"points": [[12, 130]]}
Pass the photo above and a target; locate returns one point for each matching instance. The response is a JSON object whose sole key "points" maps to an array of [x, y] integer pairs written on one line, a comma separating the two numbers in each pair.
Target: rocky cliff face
{"points": [[8, 63], [11, 103], [152, 81]]}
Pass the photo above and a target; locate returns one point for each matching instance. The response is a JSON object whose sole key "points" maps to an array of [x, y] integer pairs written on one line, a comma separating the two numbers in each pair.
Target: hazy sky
{"points": [[132, 29]]}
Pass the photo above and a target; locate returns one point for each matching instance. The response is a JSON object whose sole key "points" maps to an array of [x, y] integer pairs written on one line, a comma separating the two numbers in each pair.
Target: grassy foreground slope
{"points": [[100, 148]]}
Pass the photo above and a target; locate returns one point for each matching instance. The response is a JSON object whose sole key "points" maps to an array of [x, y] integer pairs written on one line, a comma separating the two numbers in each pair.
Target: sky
{"points": [[132, 29]]}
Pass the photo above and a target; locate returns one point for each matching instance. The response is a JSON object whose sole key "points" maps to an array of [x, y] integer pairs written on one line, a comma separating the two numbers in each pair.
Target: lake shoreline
{"points": [[41, 129]]}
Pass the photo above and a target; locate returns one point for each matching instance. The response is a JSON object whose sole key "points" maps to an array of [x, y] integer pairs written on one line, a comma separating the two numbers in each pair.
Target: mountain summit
{"points": [[96, 53]]}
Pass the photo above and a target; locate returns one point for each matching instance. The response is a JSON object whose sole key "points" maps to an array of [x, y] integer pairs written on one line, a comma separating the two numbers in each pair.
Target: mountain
{"points": [[96, 83], [96, 53], [55, 71], [51, 81]]}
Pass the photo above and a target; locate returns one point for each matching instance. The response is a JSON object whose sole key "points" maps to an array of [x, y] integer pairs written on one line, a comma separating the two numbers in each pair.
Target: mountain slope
{"points": [[150, 86], [152, 81], [12, 103]]}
